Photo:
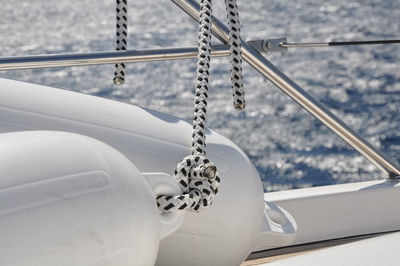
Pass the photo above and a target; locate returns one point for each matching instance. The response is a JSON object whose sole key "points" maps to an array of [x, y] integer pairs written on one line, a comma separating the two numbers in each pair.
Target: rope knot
{"points": [[199, 181]]}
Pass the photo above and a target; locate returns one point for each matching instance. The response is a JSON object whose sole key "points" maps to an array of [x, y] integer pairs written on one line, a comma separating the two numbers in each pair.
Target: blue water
{"points": [[290, 148]]}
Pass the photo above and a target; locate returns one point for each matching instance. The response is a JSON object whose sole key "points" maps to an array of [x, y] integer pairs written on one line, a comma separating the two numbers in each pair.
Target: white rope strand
{"points": [[122, 38], [203, 72], [235, 54], [196, 175]]}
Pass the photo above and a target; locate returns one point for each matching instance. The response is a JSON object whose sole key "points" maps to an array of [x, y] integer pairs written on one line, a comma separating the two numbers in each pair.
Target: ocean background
{"points": [[290, 149]]}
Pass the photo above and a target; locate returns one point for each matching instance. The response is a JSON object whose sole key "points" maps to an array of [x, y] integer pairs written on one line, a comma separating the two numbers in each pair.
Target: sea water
{"points": [[291, 149]]}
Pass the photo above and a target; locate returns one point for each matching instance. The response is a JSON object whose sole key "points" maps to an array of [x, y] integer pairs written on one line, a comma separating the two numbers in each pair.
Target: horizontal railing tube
{"points": [[288, 86], [99, 58]]}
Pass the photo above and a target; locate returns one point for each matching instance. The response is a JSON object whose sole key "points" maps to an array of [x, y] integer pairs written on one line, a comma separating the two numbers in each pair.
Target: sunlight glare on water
{"points": [[360, 84]]}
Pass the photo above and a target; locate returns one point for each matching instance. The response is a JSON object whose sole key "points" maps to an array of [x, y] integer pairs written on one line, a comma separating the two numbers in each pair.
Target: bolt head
{"points": [[210, 172]]}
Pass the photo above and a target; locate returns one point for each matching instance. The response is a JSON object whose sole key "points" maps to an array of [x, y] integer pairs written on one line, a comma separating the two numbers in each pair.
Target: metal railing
{"points": [[99, 58], [288, 86], [250, 54]]}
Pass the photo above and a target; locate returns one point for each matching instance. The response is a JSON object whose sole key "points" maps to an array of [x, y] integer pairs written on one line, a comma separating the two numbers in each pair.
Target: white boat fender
{"points": [[236, 224], [67, 199]]}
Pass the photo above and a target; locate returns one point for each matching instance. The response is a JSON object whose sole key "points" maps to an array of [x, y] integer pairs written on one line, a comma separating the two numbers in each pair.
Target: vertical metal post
{"points": [[289, 87]]}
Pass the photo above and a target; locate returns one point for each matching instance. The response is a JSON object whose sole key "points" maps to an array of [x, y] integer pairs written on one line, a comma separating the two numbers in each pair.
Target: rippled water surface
{"points": [[360, 84]]}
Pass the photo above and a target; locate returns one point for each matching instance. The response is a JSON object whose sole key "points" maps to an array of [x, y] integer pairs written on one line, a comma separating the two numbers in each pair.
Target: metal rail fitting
{"points": [[281, 45], [285, 84], [269, 45]]}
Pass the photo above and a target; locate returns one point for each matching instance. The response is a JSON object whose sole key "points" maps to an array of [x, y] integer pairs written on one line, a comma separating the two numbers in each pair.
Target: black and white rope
{"points": [[196, 175], [203, 72], [235, 54], [122, 38]]}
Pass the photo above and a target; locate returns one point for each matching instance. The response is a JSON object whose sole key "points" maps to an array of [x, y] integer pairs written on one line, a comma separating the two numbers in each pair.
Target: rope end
{"points": [[239, 106], [119, 80]]}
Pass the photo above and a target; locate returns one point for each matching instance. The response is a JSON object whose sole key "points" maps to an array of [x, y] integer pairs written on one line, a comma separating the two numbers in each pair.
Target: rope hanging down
{"points": [[196, 175], [235, 54], [122, 38]]}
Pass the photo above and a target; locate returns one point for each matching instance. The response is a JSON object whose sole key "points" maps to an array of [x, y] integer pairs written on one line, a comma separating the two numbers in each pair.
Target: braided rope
{"points": [[203, 72], [122, 36], [196, 175], [235, 54]]}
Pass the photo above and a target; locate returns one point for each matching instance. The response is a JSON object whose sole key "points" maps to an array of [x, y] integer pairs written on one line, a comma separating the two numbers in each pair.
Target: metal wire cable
{"points": [[344, 43]]}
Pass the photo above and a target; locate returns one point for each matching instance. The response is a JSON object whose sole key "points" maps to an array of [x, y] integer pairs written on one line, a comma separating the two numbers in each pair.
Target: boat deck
{"points": [[274, 255]]}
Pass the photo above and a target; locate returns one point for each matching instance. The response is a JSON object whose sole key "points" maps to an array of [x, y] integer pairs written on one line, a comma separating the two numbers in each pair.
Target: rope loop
{"points": [[199, 181]]}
